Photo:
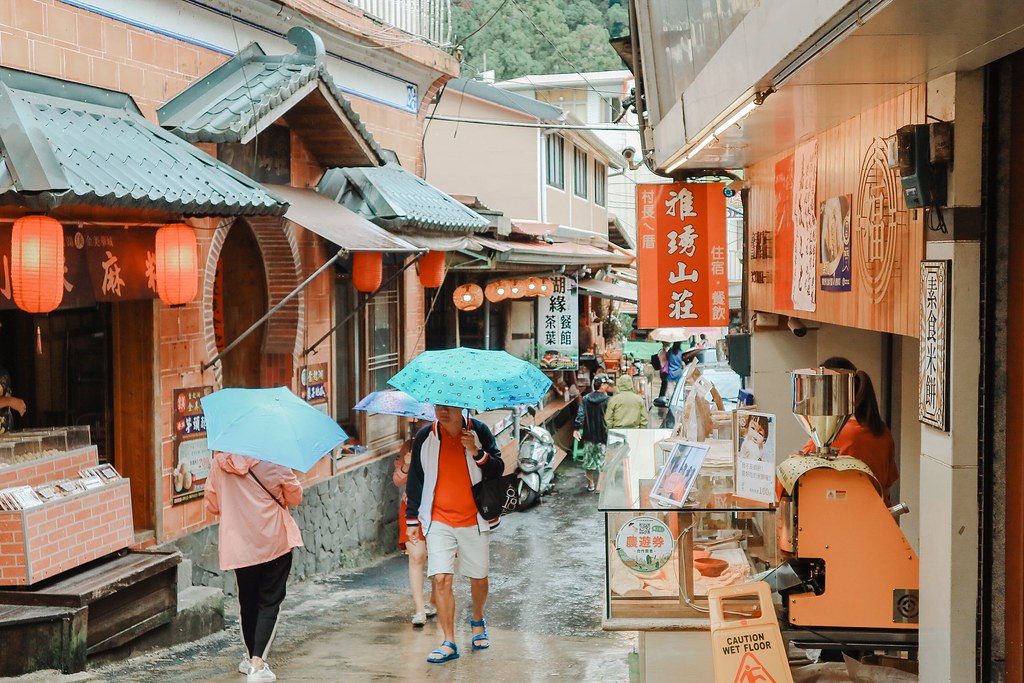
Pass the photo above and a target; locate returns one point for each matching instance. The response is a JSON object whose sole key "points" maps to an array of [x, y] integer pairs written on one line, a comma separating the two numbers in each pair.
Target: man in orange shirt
{"points": [[448, 458]]}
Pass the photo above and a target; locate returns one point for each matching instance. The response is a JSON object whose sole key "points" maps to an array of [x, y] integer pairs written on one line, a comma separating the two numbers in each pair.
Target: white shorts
{"points": [[471, 544]]}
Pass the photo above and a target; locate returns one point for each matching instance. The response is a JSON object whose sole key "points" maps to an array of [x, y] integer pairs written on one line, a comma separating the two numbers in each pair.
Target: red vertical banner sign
{"points": [[784, 234], [681, 246]]}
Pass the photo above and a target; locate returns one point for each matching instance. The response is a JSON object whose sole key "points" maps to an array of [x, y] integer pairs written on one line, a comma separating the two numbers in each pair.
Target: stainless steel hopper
{"points": [[822, 403]]}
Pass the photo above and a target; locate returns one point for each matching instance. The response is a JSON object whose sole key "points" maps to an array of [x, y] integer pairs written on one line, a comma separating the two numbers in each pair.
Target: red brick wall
{"points": [[65, 533], [46, 470]]}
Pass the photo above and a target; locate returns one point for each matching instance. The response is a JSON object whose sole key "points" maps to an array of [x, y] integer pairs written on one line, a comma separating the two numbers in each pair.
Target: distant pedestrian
{"points": [[256, 537], [592, 430], [448, 457], [416, 550], [626, 409], [662, 374]]}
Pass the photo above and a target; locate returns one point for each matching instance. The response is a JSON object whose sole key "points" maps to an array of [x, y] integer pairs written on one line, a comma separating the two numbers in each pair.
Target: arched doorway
{"points": [[240, 294]]}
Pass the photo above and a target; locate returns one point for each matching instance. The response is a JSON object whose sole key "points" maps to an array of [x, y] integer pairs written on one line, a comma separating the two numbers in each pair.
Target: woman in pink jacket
{"points": [[257, 534]]}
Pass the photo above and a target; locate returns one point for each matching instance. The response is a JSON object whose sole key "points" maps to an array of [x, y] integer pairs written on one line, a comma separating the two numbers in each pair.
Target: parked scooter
{"points": [[536, 463]]}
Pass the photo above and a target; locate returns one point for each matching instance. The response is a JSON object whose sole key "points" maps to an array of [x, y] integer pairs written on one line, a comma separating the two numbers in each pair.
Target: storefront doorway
{"points": [[242, 286]]}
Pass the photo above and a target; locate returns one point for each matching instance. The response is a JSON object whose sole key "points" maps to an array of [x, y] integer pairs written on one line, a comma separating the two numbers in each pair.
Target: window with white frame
{"points": [[579, 176], [556, 161], [600, 183]]}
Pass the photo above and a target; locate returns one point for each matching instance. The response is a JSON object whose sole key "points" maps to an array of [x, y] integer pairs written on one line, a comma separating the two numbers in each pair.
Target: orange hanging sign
{"points": [[681, 246]]}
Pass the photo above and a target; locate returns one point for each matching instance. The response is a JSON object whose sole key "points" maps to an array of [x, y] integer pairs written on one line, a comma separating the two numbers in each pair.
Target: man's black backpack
{"points": [[656, 361]]}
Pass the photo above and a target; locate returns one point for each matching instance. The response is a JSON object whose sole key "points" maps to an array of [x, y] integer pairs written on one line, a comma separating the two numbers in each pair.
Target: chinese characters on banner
{"points": [[933, 399], [644, 544], [796, 229], [191, 454], [682, 255], [558, 326], [100, 264], [313, 382], [755, 456]]}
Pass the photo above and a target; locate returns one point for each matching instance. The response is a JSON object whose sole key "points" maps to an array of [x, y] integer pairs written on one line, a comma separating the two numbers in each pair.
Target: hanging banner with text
{"points": [[191, 454], [681, 246], [933, 368], [558, 317], [100, 264]]}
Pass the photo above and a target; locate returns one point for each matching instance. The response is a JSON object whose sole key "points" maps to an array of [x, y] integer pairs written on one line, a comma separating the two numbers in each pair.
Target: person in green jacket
{"points": [[626, 409]]}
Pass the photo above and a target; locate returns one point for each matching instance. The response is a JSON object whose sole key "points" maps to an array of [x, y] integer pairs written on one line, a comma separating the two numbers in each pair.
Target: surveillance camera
{"points": [[797, 327], [629, 153]]}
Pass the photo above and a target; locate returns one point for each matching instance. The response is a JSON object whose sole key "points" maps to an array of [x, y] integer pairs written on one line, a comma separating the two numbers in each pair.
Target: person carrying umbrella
{"points": [[256, 537], [448, 457], [258, 436]]}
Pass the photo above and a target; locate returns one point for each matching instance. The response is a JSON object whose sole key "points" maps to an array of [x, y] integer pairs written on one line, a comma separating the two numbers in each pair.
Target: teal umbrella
{"points": [[472, 378], [270, 424]]}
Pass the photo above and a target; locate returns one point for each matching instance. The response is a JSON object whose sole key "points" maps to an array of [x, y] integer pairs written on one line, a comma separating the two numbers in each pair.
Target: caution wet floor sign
{"points": [[747, 650]]}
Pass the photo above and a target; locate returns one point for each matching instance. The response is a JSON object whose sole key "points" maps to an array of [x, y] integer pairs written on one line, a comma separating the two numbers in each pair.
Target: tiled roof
{"points": [[65, 143], [232, 103], [394, 198]]}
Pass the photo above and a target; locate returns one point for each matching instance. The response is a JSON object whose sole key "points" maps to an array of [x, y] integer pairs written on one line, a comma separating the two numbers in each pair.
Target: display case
{"points": [[662, 560]]}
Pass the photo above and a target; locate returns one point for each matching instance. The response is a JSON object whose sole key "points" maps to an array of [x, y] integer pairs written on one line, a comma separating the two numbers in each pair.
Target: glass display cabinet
{"points": [[661, 560]]}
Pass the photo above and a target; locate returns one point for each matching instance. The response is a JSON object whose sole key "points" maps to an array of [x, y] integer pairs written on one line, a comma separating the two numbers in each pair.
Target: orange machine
{"points": [[851, 568]]}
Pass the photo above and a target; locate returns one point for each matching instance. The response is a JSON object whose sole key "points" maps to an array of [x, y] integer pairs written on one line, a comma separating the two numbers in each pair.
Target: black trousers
{"points": [[261, 590]]}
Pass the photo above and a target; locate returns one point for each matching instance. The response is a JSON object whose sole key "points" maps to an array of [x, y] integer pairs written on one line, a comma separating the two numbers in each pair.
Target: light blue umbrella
{"points": [[472, 378], [395, 402], [270, 424]]}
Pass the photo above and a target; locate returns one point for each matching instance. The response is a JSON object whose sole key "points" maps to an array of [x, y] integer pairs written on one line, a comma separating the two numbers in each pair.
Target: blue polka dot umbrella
{"points": [[472, 378]]}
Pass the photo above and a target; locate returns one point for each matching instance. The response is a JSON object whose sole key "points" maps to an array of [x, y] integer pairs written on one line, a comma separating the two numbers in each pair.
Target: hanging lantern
{"points": [[533, 286], [177, 264], [367, 270], [432, 269], [497, 291], [37, 263], [517, 289], [468, 297], [547, 286]]}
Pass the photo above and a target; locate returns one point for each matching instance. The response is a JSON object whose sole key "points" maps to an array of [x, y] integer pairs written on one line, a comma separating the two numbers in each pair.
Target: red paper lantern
{"points": [[177, 264], [37, 263], [432, 269], [497, 291], [367, 270], [468, 297]]}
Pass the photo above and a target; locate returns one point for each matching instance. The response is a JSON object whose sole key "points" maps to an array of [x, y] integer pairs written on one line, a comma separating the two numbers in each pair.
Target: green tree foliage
{"points": [[564, 35]]}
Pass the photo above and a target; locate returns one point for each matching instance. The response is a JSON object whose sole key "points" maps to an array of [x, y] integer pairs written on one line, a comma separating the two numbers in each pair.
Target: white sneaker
{"points": [[419, 619], [260, 675], [430, 610], [244, 665]]}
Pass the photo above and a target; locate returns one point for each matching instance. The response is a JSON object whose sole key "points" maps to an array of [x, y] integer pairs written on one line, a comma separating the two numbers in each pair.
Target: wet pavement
{"points": [[544, 616]]}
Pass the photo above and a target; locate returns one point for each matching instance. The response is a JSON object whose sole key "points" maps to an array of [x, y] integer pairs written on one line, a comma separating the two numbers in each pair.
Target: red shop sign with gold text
{"points": [[681, 248]]}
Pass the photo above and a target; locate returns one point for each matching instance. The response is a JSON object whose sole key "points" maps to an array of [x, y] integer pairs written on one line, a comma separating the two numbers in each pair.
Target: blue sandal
{"points": [[479, 636], [442, 656]]}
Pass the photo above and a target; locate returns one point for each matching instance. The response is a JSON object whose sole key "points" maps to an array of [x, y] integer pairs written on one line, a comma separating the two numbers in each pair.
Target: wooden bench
{"points": [[124, 596], [37, 638]]}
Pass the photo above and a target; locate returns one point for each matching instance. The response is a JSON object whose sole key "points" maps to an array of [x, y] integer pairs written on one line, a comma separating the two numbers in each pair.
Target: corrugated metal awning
{"points": [[608, 290], [335, 223], [552, 254]]}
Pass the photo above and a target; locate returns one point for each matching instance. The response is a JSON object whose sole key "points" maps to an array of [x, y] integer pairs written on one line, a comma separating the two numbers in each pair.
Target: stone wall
{"points": [[345, 520]]}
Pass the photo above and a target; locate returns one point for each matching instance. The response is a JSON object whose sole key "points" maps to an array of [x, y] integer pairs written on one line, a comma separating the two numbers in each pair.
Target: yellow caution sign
{"points": [[747, 650]]}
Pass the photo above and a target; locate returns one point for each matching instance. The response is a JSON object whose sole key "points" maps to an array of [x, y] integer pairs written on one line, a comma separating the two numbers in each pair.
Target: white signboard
{"points": [[755, 456], [558, 321]]}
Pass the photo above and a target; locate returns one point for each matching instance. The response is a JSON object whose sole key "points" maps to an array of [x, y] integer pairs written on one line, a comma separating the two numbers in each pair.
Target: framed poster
{"points": [[191, 454], [835, 244], [933, 365], [754, 441], [677, 477]]}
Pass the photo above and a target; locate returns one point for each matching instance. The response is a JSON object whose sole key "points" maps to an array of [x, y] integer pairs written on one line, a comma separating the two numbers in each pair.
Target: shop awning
{"points": [[335, 223], [608, 290], [552, 254], [65, 143], [436, 242], [394, 198]]}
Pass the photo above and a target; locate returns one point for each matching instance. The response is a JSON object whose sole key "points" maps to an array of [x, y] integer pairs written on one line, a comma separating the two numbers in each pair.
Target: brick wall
{"points": [[43, 541], [51, 469]]}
